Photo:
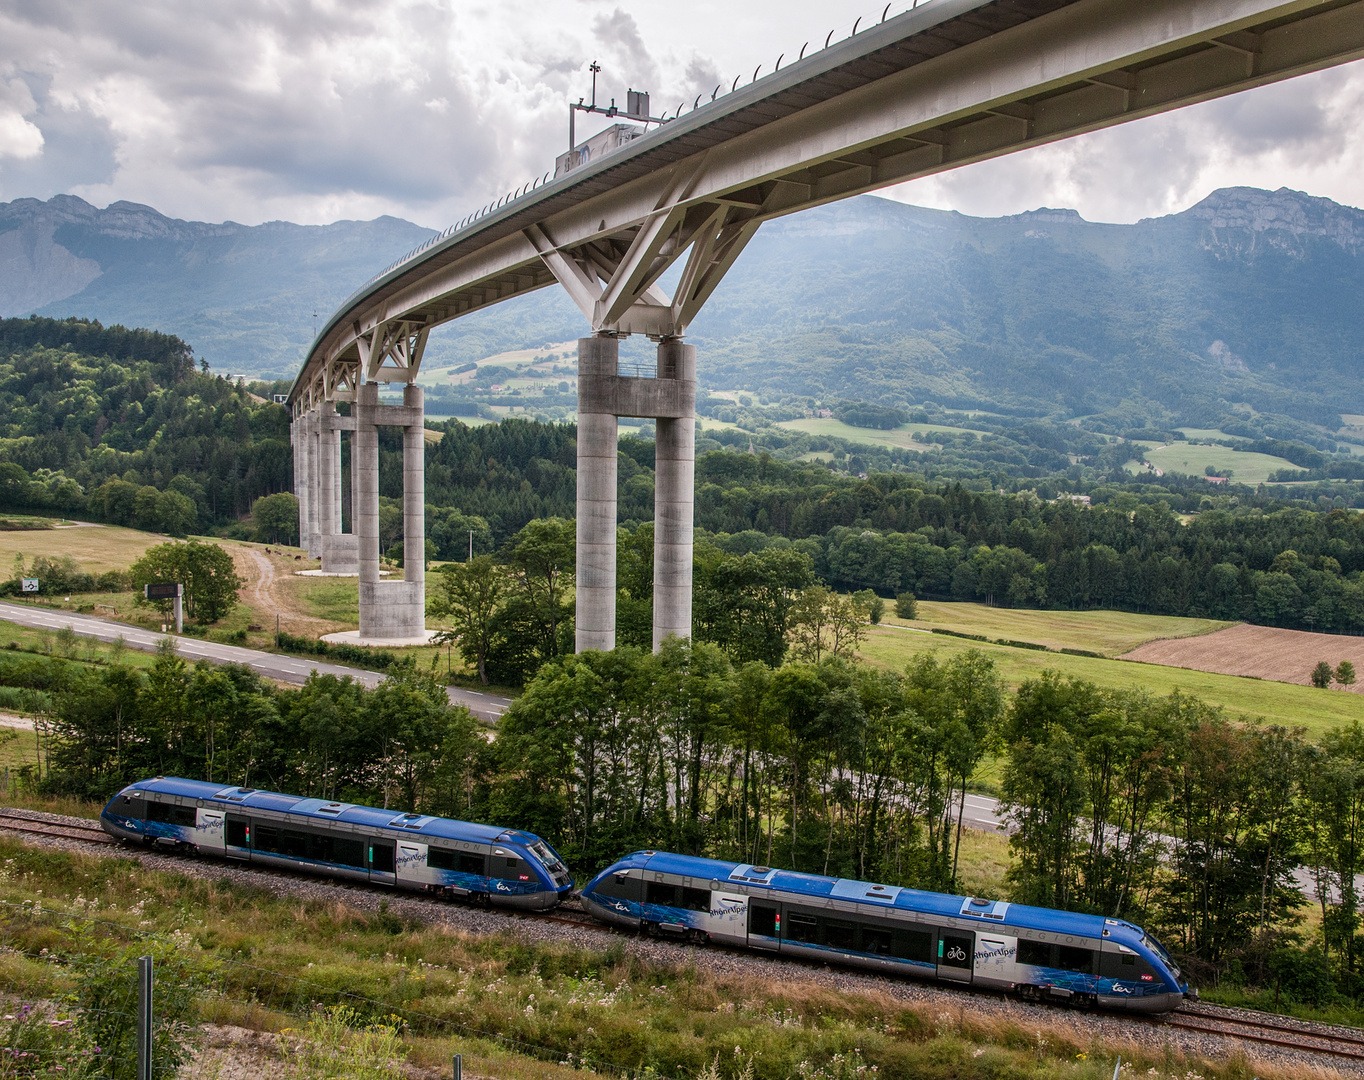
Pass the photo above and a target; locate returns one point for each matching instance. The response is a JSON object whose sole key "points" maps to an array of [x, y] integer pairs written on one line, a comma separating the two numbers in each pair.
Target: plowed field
{"points": [[1263, 651]]}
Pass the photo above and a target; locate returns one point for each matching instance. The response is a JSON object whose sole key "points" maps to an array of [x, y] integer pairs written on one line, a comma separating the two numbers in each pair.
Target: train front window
{"points": [[1159, 949], [542, 852]]}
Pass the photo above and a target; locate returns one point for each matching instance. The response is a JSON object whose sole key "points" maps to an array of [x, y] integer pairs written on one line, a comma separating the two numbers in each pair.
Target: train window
{"points": [[294, 844], [914, 945], [1034, 953], [1070, 958], [267, 839], [839, 934], [696, 899], [440, 859], [661, 893], [877, 941], [238, 835], [762, 919], [802, 927], [620, 886], [131, 806], [955, 951], [345, 850], [381, 858], [171, 814], [1123, 965], [470, 863]]}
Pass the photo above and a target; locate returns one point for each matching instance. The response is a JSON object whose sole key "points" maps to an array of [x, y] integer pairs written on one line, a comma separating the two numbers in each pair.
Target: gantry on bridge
{"points": [[945, 84]]}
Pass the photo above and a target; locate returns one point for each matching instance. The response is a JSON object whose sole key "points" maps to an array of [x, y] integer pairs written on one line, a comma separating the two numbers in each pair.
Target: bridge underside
{"points": [[954, 82]]}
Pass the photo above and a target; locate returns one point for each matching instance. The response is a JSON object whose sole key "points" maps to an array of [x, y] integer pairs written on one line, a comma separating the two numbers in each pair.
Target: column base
{"points": [[393, 612], [354, 637], [341, 554], [313, 544]]}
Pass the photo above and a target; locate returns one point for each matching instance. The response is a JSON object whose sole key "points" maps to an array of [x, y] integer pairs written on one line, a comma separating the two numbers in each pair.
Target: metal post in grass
{"points": [[144, 1018], [459, 1067], [1117, 1067]]}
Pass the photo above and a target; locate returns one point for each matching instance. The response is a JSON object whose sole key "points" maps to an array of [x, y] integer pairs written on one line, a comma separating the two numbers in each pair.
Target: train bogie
{"points": [[415, 852]]}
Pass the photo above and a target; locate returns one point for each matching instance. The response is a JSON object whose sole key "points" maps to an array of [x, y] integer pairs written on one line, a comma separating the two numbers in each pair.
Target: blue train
{"points": [[1084, 960], [358, 843]]}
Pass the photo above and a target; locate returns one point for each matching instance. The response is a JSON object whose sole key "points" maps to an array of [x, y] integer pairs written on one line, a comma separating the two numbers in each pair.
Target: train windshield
{"points": [[542, 852], [1159, 949]]}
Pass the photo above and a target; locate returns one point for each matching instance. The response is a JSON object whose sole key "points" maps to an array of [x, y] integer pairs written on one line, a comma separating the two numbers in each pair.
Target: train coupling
{"points": [[1191, 993]]}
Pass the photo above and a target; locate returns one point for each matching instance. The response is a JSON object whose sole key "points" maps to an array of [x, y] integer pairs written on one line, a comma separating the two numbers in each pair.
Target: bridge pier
{"points": [[390, 611], [604, 395]]}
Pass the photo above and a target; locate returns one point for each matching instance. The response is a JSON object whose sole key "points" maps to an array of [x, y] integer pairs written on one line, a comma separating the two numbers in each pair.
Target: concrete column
{"points": [[674, 497], [326, 473], [298, 436], [414, 491], [314, 488], [364, 465], [335, 451], [598, 366]]}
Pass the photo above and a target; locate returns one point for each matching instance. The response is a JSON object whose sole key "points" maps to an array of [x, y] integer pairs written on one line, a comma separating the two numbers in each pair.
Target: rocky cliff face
{"points": [[1282, 218]]}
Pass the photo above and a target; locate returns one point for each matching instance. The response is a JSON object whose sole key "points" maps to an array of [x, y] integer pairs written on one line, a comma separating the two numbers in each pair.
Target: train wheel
{"points": [[698, 937]]}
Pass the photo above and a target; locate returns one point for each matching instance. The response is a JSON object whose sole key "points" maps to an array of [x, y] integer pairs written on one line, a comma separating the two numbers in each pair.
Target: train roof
{"points": [[415, 825], [890, 896]]}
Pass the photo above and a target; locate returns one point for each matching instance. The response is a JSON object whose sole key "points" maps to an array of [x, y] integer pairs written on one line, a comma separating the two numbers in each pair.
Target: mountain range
{"points": [[1245, 305]]}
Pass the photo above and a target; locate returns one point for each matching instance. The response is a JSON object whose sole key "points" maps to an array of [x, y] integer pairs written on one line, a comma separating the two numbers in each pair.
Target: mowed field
{"points": [[903, 436], [95, 547], [1109, 632], [1265, 652], [893, 644]]}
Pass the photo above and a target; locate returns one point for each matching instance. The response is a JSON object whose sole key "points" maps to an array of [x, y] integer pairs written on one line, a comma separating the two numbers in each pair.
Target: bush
{"points": [[870, 605], [906, 607], [352, 654], [1345, 673], [1303, 975], [1321, 675]]}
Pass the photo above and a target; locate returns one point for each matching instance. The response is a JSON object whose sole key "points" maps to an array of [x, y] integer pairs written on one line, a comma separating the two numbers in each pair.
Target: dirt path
{"points": [[1263, 651], [271, 594]]}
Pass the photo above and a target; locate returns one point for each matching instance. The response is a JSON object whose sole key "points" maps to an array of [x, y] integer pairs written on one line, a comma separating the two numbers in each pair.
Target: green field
{"points": [[1280, 703], [1109, 632], [903, 436], [1193, 460]]}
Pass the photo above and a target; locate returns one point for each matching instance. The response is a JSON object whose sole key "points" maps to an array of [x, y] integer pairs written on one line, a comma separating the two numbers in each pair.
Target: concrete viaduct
{"points": [[948, 83]]}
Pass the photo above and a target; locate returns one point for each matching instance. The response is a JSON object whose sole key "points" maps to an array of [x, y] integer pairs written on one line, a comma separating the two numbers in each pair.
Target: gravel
{"points": [[1117, 1034]]}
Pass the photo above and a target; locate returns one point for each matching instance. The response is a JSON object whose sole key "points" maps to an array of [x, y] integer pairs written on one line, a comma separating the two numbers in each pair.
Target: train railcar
{"points": [[417, 852], [1084, 960]]}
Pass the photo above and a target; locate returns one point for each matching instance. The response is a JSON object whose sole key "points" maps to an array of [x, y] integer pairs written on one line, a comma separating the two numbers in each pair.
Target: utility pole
{"points": [[471, 545]]}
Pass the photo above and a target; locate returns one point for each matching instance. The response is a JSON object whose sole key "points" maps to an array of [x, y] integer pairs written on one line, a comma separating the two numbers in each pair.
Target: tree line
{"points": [[1212, 832]]}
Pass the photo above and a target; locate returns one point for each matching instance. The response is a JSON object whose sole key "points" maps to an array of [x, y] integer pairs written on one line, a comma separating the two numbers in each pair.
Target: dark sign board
{"points": [[168, 590]]}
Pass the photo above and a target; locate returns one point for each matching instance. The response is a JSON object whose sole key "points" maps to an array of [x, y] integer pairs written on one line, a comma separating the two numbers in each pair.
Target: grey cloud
{"points": [[78, 148]]}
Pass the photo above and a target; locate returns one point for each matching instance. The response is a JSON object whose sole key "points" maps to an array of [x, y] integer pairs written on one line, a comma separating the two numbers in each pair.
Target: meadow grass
{"points": [[96, 548], [600, 1004], [1247, 467], [902, 436], [893, 647], [1109, 632]]}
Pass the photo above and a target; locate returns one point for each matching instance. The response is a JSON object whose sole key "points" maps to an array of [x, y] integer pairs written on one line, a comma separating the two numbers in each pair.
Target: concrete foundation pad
{"points": [[352, 637], [334, 573]]}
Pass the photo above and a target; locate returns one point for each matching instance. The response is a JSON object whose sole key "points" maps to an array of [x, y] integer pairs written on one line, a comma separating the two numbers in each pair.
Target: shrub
{"points": [[871, 605], [1345, 673], [1321, 675], [353, 654], [906, 606]]}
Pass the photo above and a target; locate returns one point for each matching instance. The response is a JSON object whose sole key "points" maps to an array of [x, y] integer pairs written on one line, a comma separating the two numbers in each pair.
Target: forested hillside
{"points": [[120, 425]]}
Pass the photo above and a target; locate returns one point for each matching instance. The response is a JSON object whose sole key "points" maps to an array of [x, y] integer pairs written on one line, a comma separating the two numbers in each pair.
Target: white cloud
{"points": [[310, 110]]}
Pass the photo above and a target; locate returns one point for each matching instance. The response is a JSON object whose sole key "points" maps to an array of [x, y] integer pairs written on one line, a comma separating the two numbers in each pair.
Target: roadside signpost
{"points": [[28, 584], [169, 590]]}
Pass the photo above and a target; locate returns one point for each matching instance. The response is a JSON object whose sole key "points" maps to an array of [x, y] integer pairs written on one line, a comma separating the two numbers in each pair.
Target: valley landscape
{"points": [[965, 685]]}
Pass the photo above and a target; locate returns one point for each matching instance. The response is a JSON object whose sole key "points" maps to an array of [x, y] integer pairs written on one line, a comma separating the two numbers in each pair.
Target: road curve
{"points": [[292, 669]]}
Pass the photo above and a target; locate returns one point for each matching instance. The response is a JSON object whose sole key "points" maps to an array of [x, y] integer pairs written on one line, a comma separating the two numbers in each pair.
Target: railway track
{"points": [[19, 822], [1262, 1028], [1266, 1030]]}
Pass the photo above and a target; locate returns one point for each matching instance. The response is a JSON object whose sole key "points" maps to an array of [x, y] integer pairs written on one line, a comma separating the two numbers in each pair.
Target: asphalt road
{"points": [[292, 669]]}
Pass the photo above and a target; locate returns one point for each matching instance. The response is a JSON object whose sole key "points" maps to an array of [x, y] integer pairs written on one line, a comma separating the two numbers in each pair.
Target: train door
{"points": [[764, 924], [956, 948], [996, 959], [209, 829], [237, 837], [728, 916], [381, 861], [411, 866]]}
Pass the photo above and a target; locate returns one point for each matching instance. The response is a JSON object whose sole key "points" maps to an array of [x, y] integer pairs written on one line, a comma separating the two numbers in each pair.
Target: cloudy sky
{"points": [[314, 110]]}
